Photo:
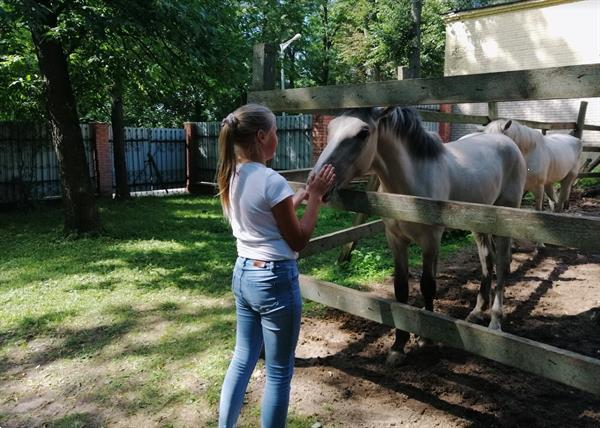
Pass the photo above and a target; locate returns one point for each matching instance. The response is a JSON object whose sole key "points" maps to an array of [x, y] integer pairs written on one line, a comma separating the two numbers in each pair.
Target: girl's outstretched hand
{"points": [[320, 183]]}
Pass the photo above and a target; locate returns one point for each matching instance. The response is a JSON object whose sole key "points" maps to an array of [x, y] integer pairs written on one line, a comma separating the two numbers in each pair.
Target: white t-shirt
{"points": [[254, 190]]}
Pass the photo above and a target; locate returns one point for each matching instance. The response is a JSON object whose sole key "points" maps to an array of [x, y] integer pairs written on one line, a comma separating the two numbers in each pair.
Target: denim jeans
{"points": [[268, 307]]}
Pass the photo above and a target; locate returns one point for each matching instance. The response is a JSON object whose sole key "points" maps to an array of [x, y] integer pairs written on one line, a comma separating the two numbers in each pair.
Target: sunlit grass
{"points": [[138, 321]]}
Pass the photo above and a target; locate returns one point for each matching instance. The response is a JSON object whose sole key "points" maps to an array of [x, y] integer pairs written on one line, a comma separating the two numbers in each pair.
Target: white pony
{"points": [[550, 159]]}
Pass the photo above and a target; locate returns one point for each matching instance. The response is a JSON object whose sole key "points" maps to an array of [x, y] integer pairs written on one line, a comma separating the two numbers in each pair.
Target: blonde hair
{"points": [[238, 138]]}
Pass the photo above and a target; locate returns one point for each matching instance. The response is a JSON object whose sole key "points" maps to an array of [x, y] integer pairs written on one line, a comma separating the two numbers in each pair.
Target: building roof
{"points": [[494, 7]]}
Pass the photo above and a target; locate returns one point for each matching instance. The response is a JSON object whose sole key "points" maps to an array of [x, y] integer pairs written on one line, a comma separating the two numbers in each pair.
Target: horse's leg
{"points": [[431, 249], [551, 193], [538, 194], [485, 248], [399, 248], [565, 191], [503, 258]]}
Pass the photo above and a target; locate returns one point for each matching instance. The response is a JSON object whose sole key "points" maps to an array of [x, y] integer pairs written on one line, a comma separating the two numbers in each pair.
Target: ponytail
{"points": [[238, 137], [227, 160]]}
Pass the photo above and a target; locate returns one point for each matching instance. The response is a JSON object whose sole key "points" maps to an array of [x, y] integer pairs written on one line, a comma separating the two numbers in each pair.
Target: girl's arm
{"points": [[296, 232], [300, 196]]}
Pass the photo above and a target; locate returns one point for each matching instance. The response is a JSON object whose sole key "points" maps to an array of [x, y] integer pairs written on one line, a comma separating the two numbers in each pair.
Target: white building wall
{"points": [[527, 35]]}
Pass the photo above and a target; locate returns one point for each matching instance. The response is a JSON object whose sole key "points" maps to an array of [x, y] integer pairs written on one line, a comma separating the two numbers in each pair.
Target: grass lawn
{"points": [[135, 327]]}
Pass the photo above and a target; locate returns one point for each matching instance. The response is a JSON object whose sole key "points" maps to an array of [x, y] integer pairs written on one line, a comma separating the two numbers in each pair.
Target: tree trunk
{"points": [[81, 213], [414, 59], [118, 127]]}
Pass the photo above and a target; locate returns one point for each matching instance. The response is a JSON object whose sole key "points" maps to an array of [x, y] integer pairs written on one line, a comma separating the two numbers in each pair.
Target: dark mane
{"points": [[406, 124]]}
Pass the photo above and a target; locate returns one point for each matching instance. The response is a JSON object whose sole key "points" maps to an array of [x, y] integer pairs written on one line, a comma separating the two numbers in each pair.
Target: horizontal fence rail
{"points": [[340, 237], [567, 367], [433, 116], [578, 81], [558, 229]]}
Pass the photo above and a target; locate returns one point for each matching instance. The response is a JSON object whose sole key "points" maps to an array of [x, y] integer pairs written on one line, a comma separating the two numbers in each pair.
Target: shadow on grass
{"points": [[136, 375], [88, 342], [180, 242]]}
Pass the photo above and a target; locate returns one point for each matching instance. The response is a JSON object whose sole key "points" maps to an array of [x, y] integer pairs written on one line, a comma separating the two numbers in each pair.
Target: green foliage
{"points": [[180, 60], [20, 82]]}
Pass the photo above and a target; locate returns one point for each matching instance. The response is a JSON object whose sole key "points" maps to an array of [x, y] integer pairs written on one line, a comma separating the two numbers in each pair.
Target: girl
{"points": [[260, 206]]}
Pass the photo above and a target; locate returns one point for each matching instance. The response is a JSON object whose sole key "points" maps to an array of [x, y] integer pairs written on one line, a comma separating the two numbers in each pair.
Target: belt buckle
{"points": [[259, 264]]}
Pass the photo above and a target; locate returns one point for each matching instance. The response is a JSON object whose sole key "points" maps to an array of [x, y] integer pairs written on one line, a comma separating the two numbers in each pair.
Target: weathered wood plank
{"points": [[436, 116], [591, 127], [340, 237], [299, 175], [578, 81], [360, 218], [580, 119], [567, 367], [559, 229], [591, 148]]}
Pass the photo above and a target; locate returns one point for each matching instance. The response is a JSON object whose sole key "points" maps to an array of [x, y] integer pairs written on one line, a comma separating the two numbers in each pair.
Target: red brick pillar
{"points": [[445, 128], [319, 135], [100, 132], [191, 157]]}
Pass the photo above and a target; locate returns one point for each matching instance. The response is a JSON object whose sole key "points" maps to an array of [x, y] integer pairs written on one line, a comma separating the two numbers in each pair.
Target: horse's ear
{"points": [[380, 112], [507, 125]]}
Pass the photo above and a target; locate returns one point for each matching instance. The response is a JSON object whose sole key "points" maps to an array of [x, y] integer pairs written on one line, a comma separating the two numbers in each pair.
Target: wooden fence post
{"points": [[191, 157], [492, 111], [580, 119], [360, 218], [264, 58]]}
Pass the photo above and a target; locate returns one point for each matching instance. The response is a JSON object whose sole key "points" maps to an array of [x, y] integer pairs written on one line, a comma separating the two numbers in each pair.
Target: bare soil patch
{"points": [[553, 297]]}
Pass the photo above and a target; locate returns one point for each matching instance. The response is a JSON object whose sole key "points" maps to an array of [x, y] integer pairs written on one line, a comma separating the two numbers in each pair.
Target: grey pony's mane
{"points": [[406, 125]]}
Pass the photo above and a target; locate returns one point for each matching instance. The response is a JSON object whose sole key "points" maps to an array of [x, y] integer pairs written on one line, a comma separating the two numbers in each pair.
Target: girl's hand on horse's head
{"points": [[321, 182]]}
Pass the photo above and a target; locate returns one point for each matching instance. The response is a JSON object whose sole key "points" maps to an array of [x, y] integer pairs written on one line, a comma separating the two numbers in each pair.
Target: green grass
{"points": [[138, 323], [589, 182]]}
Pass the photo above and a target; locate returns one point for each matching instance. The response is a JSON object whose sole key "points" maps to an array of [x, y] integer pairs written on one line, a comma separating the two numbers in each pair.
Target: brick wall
{"points": [[319, 135], [100, 135]]}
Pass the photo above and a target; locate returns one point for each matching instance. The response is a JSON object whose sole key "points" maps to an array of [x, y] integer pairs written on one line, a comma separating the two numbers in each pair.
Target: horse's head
{"points": [[351, 144], [500, 126], [525, 138]]}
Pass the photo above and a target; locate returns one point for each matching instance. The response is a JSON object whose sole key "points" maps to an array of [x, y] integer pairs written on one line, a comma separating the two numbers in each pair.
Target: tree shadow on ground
{"points": [[114, 383]]}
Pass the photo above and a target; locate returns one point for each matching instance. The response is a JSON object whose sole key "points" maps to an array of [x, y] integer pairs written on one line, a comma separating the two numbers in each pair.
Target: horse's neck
{"points": [[395, 168], [529, 140]]}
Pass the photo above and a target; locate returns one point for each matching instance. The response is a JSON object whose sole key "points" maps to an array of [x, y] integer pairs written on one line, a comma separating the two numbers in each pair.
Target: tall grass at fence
{"points": [[138, 323]]}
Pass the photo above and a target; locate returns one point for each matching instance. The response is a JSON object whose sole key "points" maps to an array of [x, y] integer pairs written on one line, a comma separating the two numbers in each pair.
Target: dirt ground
{"points": [[553, 297]]}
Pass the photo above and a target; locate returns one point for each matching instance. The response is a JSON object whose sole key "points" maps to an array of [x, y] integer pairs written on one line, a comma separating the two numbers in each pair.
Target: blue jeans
{"points": [[268, 306]]}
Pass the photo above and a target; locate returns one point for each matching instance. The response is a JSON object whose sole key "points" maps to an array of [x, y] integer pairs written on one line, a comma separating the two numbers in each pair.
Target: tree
{"points": [[414, 59], [137, 62], [41, 18]]}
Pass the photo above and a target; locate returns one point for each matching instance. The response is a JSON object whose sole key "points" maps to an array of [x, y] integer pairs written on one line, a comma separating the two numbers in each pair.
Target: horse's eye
{"points": [[363, 134]]}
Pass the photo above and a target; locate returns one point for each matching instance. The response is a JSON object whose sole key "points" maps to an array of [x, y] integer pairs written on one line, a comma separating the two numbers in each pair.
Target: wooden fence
{"points": [[581, 232], [155, 158], [28, 162], [294, 150]]}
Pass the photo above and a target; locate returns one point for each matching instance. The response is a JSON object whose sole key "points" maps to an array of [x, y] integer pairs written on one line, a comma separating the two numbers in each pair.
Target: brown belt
{"points": [[259, 263]]}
